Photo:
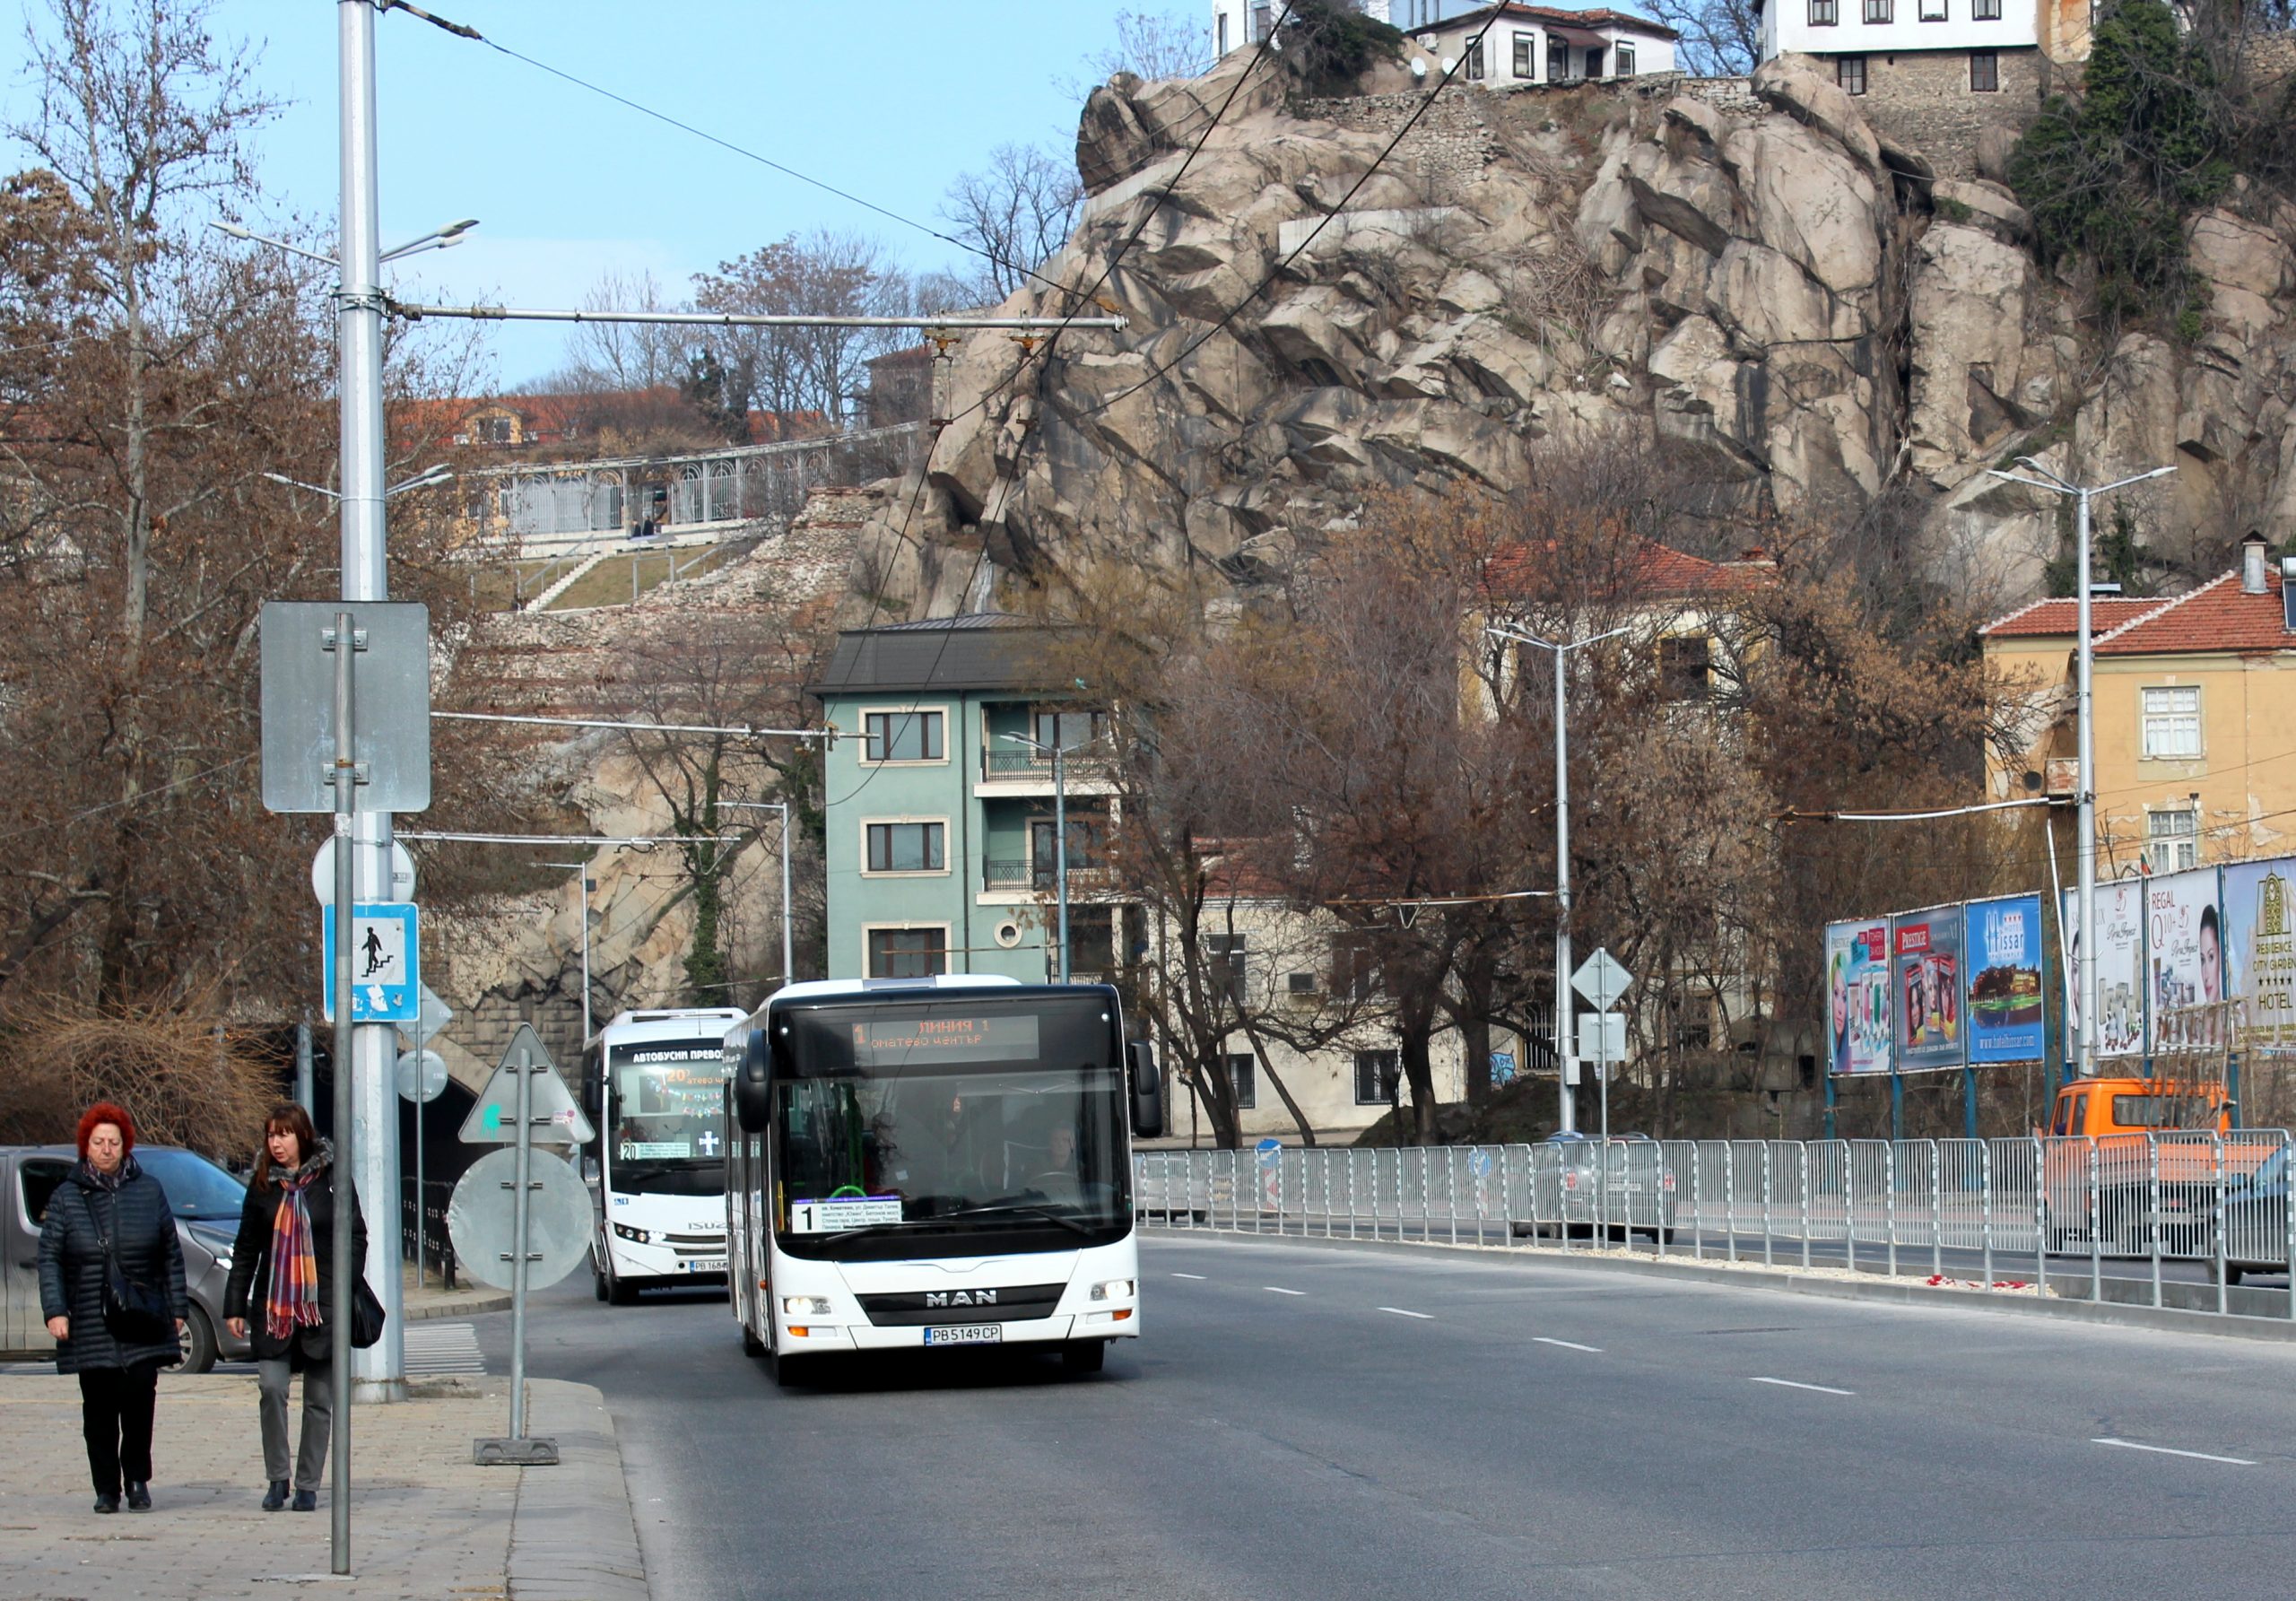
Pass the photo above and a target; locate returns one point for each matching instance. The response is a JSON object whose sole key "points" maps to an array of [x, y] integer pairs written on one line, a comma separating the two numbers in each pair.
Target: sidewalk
{"points": [[419, 1303], [426, 1524]]}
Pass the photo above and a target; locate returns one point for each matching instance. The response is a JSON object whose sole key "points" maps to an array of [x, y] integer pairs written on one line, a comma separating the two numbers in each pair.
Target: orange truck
{"points": [[2118, 1114]]}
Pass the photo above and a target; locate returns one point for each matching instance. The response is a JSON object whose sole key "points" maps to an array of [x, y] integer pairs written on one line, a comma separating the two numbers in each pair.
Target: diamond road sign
{"points": [[494, 1120], [1601, 979]]}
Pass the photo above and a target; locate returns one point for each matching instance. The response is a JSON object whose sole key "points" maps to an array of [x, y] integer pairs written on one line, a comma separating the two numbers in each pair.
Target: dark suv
{"points": [[205, 1200]]}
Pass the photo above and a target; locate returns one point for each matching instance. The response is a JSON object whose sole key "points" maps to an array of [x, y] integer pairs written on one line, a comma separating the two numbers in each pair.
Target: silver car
{"points": [[205, 1200]]}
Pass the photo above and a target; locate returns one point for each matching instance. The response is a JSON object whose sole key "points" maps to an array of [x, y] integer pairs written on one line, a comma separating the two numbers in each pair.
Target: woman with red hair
{"points": [[111, 1288]]}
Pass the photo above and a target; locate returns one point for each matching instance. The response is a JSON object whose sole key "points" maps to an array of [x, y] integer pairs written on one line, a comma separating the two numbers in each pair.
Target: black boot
{"points": [[307, 1500], [139, 1496], [275, 1497], [107, 1504]]}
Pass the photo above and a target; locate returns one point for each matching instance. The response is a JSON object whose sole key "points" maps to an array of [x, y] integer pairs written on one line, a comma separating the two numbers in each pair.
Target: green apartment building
{"points": [[941, 840]]}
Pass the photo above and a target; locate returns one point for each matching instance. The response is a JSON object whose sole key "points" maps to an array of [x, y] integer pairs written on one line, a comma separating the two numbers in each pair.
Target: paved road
{"points": [[1321, 1422]]}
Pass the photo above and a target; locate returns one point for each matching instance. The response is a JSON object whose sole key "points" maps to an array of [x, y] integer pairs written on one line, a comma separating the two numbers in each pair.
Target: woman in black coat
{"points": [[111, 1212], [281, 1291]]}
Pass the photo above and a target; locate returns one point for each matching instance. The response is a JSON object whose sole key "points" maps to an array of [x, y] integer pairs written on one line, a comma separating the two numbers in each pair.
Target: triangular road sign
{"points": [[494, 1120]]}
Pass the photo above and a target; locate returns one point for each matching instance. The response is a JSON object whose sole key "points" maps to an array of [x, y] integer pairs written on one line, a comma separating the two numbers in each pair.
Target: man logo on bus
{"points": [[960, 1298]]}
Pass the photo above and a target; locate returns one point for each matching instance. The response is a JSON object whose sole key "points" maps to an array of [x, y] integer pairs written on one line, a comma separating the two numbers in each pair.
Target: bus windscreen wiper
{"points": [[1016, 1209]]}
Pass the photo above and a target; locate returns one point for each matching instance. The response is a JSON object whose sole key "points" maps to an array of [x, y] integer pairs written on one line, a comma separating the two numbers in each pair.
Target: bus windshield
{"points": [[669, 1116], [1002, 1128]]}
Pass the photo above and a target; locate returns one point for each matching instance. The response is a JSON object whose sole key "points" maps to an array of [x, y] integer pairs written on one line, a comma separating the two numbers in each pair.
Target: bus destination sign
{"points": [[909, 1041]]}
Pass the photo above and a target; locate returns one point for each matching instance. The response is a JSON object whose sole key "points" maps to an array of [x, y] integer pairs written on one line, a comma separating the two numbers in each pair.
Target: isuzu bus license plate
{"points": [[966, 1333]]}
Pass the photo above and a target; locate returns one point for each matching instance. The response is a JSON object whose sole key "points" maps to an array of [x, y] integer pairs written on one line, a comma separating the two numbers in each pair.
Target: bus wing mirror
{"points": [[752, 1085], [1147, 1096]]}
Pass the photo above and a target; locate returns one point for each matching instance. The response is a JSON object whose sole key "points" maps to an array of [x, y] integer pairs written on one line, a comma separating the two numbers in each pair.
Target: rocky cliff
{"points": [[1746, 270]]}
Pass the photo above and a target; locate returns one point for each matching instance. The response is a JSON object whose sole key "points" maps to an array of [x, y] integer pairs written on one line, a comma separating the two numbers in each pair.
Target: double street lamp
{"points": [[1565, 1054], [2085, 784]]}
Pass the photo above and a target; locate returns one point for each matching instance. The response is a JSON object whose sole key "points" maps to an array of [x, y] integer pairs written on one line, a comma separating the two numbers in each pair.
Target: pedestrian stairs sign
{"points": [[559, 1120], [385, 962]]}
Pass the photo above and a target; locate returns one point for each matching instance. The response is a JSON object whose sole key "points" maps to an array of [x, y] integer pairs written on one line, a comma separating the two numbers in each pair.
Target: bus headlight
{"points": [[635, 1235], [1113, 1290], [804, 1306]]}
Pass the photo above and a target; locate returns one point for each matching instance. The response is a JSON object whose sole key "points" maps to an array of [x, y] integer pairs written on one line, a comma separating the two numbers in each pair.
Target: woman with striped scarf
{"points": [[282, 1284]]}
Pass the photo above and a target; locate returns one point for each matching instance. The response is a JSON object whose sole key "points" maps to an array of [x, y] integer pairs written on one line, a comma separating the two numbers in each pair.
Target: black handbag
{"points": [[135, 1313], [366, 1315]]}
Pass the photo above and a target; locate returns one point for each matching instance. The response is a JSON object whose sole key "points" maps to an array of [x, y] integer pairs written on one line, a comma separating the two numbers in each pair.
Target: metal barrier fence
{"points": [[2056, 1211]]}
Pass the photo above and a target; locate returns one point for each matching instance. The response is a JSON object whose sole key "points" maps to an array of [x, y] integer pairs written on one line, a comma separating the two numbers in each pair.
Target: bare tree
{"points": [[799, 375], [1017, 214], [1720, 39], [1156, 45], [626, 356]]}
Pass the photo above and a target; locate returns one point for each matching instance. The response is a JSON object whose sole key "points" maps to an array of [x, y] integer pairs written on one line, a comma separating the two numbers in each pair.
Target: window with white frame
{"points": [[1881, 11], [903, 736], [1221, 23], [1824, 14], [1526, 55], [2172, 838], [1474, 60], [2172, 723], [1932, 11], [907, 952], [1985, 11], [1623, 66], [1558, 59], [1378, 1076], [907, 846]]}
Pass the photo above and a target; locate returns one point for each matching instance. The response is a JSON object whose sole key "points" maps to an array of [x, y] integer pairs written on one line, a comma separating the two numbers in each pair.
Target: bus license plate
{"points": [[966, 1333], [705, 1264]]}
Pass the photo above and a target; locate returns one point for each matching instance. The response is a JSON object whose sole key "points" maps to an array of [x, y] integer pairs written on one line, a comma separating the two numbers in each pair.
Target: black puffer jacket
{"points": [[142, 1229], [248, 1288]]}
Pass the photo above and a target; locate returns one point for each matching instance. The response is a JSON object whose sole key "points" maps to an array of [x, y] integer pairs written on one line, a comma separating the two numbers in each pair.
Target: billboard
{"points": [[1926, 988], [2260, 954], [2120, 968], [2004, 994], [2184, 946], [1858, 996]]}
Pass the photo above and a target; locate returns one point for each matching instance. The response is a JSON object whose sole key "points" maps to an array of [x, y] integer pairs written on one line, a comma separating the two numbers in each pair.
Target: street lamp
{"points": [[788, 943], [2085, 800], [438, 238], [1059, 827], [431, 475], [1566, 1057], [587, 883]]}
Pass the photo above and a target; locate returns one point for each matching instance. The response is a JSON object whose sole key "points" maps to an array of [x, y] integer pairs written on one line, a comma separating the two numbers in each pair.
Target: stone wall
{"points": [[1923, 101], [1453, 140]]}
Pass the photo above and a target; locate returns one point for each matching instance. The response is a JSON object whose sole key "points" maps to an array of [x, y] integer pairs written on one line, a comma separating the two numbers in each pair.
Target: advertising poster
{"points": [[1926, 988], [2003, 944], [2184, 945], [2120, 971], [2260, 955], [1858, 996]]}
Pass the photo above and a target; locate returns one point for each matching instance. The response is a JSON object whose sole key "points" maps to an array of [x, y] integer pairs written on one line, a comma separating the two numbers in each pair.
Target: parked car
{"points": [[2256, 1220], [1638, 1196], [205, 1200]]}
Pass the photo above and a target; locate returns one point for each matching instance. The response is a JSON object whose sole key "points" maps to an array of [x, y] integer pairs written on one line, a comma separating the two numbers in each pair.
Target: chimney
{"points": [[2252, 555]]}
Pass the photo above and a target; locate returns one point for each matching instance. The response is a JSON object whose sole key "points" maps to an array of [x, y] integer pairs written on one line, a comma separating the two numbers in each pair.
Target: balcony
{"points": [[1025, 878], [1019, 764]]}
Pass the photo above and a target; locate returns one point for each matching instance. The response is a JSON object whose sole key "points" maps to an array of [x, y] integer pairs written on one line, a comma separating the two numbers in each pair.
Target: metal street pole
{"points": [[2086, 802], [379, 1372], [789, 937], [520, 1251], [1565, 1053], [581, 871], [346, 794], [1059, 827]]}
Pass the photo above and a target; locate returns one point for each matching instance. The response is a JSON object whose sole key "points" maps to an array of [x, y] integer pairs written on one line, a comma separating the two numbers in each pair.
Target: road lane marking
{"points": [[1567, 1344], [2165, 1451], [1187, 1275], [1823, 1389], [1279, 1290], [1400, 1312]]}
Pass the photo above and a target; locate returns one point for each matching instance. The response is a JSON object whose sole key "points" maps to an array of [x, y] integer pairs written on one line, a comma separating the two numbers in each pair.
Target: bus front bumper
{"points": [[1118, 1324]]}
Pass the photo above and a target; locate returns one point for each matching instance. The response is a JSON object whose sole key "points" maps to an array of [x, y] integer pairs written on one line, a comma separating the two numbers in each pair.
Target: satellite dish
{"points": [[1419, 66], [1451, 64]]}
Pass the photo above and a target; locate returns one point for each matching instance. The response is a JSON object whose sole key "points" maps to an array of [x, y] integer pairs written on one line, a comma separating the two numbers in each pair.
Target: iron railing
{"points": [[2164, 1218]]}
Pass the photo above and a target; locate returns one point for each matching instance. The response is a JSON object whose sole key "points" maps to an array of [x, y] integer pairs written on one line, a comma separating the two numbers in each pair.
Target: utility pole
{"points": [[2086, 802], [1566, 1055], [582, 879], [788, 937], [1059, 827], [378, 1373]]}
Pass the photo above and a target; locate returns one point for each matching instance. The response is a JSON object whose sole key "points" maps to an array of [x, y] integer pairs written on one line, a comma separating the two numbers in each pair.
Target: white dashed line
{"points": [[1401, 1312], [1187, 1275], [2164, 1450], [1279, 1290], [1567, 1344], [1823, 1389]]}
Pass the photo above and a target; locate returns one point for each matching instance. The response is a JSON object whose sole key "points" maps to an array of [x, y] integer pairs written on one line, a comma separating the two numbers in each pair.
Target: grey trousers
{"points": [[318, 1420]]}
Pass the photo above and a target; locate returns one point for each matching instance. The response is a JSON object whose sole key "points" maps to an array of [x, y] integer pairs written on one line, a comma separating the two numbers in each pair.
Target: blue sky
{"points": [[890, 100]]}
